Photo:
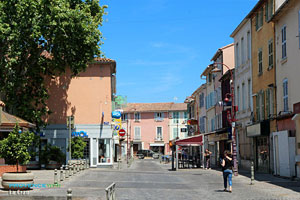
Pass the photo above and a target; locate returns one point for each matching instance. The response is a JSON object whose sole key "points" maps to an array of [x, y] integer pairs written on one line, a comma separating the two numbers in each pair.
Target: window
{"points": [[283, 42], [271, 59], [237, 51], [260, 106], [104, 151], [259, 19], [201, 100], [269, 9], [243, 97], [243, 50], [137, 116], [257, 107], [269, 102], [285, 96], [137, 133], [260, 61], [124, 117], [159, 133], [249, 93], [212, 123], [238, 96], [175, 133], [202, 124], [175, 117], [248, 45], [185, 115], [159, 116]]}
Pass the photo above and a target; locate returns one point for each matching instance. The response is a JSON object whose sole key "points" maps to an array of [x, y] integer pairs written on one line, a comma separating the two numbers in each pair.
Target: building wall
{"points": [[289, 68], [243, 74], [260, 39], [181, 124], [148, 128], [85, 96]]}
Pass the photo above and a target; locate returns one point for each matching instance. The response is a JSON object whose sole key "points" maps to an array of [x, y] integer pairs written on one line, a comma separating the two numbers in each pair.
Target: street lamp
{"points": [[230, 116]]}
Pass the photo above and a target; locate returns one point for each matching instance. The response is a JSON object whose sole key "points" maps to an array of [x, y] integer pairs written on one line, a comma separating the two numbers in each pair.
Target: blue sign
{"points": [[116, 114], [80, 134]]}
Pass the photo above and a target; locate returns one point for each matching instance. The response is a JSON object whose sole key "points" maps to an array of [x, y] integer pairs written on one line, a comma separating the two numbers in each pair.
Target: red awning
{"points": [[194, 140]]}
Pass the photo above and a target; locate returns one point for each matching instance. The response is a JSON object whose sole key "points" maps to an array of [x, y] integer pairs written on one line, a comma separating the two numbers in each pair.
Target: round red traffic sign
{"points": [[122, 132]]}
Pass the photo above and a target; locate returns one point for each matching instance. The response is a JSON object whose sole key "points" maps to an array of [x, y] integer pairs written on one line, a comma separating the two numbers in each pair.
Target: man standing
{"points": [[207, 157]]}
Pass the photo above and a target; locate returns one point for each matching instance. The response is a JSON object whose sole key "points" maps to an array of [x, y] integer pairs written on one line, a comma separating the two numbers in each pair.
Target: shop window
{"points": [[104, 151], [159, 133]]}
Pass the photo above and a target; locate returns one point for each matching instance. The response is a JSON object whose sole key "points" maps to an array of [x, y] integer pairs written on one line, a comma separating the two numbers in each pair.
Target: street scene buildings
{"points": [[246, 103]]}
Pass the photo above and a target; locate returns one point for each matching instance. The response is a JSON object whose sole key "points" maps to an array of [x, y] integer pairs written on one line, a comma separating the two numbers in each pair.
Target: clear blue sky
{"points": [[162, 46]]}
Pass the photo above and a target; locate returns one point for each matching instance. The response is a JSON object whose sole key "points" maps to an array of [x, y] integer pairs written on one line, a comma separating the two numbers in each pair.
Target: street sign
{"points": [[122, 132]]}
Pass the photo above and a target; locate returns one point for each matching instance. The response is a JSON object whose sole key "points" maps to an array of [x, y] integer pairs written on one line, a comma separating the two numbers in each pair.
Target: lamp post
{"points": [[232, 116]]}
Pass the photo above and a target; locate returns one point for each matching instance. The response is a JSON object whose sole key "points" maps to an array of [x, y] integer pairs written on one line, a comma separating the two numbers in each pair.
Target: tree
{"points": [[77, 147], [40, 38], [14, 148]]}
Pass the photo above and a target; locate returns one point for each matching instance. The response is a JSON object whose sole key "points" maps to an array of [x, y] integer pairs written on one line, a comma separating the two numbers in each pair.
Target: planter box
{"points": [[17, 181], [11, 168]]}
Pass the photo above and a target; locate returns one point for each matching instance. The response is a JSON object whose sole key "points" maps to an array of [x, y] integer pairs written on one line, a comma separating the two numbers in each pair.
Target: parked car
{"points": [[145, 153], [156, 155]]}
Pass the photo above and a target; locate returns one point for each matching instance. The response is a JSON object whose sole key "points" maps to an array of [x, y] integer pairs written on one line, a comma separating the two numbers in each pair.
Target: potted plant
{"points": [[52, 157], [14, 150]]}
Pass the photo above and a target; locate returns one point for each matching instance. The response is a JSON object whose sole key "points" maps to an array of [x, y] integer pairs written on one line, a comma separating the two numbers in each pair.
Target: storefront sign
{"points": [[116, 114], [218, 137], [80, 134], [254, 130]]}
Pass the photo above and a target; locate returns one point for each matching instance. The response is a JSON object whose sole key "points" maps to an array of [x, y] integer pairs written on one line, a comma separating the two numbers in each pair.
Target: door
{"points": [[276, 155], [135, 148]]}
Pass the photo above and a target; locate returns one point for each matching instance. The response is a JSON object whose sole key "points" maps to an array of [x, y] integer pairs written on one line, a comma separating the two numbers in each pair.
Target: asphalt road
{"points": [[148, 179]]}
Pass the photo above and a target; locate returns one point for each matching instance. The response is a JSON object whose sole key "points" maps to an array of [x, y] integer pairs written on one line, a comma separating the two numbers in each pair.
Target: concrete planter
{"points": [[53, 165], [21, 180]]}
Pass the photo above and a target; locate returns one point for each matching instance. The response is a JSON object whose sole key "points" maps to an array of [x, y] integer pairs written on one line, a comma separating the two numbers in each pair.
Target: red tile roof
{"points": [[8, 120], [104, 60], [153, 107]]}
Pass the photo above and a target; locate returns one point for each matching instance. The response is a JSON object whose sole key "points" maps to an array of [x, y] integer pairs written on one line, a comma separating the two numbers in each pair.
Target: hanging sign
{"points": [[116, 114]]}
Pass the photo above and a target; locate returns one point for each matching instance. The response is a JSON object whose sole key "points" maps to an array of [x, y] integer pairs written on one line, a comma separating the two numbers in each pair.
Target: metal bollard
{"points": [[78, 166], [74, 169], [81, 165], [252, 173], [61, 173], [88, 164], [67, 171], [55, 177], [70, 170], [69, 194]]}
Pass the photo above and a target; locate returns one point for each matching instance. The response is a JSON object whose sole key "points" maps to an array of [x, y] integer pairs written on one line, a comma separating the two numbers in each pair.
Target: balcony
{"points": [[137, 137], [158, 139]]}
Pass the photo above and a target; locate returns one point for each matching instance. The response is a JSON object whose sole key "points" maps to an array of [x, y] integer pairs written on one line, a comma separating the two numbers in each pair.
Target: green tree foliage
{"points": [[77, 147], [52, 153], [14, 148], [40, 38]]}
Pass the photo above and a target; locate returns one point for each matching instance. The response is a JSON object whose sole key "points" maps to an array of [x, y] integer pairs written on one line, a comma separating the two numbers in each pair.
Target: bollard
{"points": [[252, 173], [61, 173], [78, 166], [67, 171], [70, 170], [69, 194], [88, 164], [82, 168], [55, 177], [74, 169]]}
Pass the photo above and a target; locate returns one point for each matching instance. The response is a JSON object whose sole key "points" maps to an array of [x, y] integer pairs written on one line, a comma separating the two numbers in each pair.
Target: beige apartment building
{"points": [[286, 139]]}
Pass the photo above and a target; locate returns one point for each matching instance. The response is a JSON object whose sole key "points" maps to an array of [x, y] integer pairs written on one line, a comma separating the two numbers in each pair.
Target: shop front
{"points": [[260, 133], [189, 152], [158, 148], [99, 149], [218, 143]]}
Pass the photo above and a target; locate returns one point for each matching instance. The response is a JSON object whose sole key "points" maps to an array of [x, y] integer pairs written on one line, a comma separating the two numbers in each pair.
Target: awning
{"points": [[194, 140], [157, 144]]}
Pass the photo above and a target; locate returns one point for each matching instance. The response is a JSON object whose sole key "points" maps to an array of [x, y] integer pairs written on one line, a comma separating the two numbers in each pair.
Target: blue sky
{"points": [[162, 46]]}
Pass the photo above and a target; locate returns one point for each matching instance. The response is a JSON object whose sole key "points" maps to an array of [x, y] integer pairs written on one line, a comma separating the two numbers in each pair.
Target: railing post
{"points": [[252, 173], [67, 171], [61, 173], [55, 177], [69, 194]]}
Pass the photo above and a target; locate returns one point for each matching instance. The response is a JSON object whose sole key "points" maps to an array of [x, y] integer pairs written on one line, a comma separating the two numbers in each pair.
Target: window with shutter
{"points": [[262, 105], [257, 107], [285, 95], [268, 103], [267, 11], [283, 42]]}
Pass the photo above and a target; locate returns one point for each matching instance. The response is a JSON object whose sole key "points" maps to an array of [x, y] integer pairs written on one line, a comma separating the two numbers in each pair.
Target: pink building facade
{"points": [[149, 125]]}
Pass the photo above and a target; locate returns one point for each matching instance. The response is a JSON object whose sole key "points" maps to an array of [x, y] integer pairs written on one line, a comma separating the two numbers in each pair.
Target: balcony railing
{"points": [[158, 139]]}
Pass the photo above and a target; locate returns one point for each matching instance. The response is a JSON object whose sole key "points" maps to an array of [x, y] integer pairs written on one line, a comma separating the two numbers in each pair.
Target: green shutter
{"points": [[268, 102], [267, 11], [263, 104], [257, 108], [256, 21]]}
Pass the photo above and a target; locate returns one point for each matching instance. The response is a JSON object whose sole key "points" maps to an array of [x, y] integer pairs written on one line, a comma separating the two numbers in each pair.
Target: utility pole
{"points": [[70, 125]]}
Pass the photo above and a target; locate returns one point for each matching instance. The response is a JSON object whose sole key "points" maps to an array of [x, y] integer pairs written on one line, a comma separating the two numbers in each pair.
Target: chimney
{"points": [[1, 108]]}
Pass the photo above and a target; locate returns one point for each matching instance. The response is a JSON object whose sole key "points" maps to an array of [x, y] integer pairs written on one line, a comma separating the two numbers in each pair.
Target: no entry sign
{"points": [[122, 132]]}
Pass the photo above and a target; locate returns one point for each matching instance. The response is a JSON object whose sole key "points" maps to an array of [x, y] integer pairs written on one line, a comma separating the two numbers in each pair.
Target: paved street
{"points": [[148, 179]]}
